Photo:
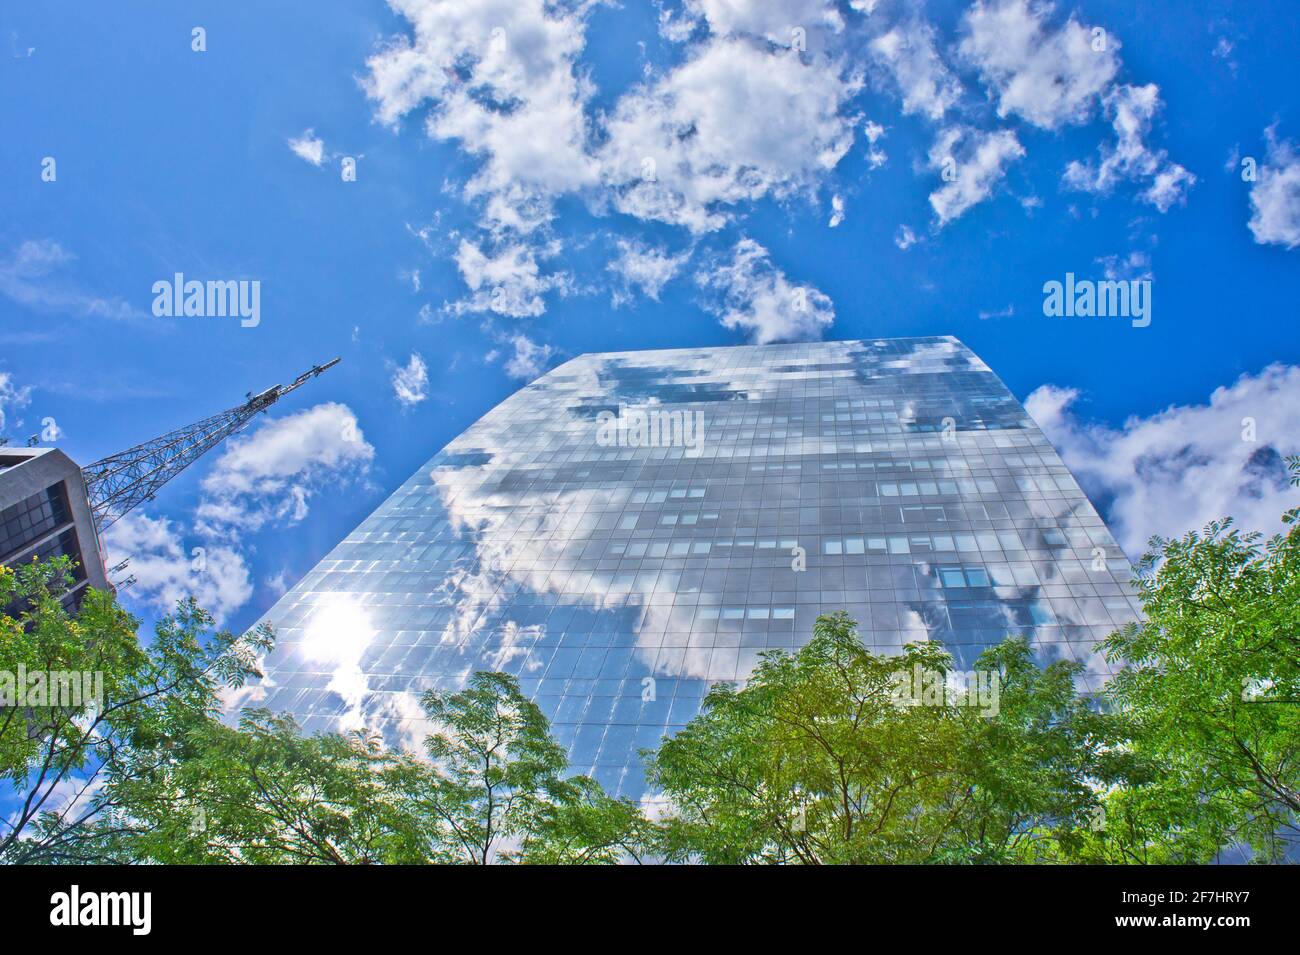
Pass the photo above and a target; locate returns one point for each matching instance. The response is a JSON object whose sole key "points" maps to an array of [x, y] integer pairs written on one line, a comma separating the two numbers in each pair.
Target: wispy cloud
{"points": [[837, 211], [168, 568], [411, 381], [1130, 110], [272, 473], [308, 147], [771, 21], [13, 398], [645, 267], [266, 477], [1187, 465], [528, 359], [977, 161], [507, 280], [33, 276], [755, 297], [908, 55]]}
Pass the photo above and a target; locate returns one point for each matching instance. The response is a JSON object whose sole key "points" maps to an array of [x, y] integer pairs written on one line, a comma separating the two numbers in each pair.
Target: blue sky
{"points": [[503, 219]]}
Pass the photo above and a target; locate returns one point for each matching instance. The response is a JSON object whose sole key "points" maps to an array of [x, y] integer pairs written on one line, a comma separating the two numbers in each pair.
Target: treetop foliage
{"points": [[830, 754]]}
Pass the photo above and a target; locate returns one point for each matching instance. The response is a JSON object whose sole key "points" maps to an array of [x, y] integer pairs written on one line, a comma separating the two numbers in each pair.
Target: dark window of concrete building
{"points": [[32, 518]]}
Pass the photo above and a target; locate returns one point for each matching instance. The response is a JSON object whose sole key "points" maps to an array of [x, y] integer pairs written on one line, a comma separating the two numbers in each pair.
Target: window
{"points": [[1040, 613], [32, 518], [952, 577]]}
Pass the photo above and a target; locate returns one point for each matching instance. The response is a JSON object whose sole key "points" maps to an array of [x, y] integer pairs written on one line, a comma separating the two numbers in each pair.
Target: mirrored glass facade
{"points": [[634, 526]]}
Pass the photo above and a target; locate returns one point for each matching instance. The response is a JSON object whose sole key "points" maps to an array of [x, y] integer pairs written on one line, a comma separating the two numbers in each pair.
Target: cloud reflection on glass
{"points": [[618, 579]]}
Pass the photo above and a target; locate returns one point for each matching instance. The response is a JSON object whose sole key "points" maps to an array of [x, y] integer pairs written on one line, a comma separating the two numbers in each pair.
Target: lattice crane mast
{"points": [[123, 481]]}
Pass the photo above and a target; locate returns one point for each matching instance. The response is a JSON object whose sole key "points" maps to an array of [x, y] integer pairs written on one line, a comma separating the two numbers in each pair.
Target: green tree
{"points": [[1032, 777], [583, 825], [262, 793], [152, 773], [1211, 682], [815, 761], [67, 762], [493, 790]]}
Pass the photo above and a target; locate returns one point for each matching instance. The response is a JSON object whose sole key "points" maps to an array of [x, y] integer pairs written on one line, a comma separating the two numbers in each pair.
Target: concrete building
{"points": [[44, 513]]}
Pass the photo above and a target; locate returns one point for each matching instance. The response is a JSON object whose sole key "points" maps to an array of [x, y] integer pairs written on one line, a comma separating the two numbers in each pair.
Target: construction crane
{"points": [[123, 481]]}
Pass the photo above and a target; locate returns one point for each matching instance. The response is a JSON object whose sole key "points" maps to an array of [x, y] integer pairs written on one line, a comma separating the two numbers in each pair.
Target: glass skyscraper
{"points": [[634, 526]]}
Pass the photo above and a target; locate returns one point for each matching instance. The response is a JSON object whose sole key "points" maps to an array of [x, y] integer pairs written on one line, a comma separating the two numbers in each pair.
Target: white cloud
{"points": [[1130, 110], [677, 28], [837, 211], [1056, 76], [411, 382], [529, 358], [772, 19], [271, 474], [12, 397], [503, 81], [972, 161], [1005, 312], [1234, 157], [978, 160], [309, 147], [876, 156], [1169, 186], [733, 124], [757, 298], [1134, 266], [646, 267], [168, 569], [509, 282], [1176, 470], [1223, 50], [278, 582], [30, 277], [1275, 196], [1047, 76], [267, 476], [924, 82]]}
